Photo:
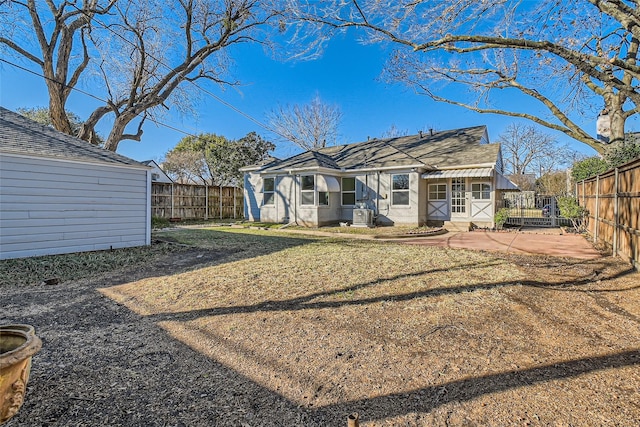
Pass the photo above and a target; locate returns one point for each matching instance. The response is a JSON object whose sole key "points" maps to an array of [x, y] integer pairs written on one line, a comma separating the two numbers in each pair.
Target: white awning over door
{"points": [[459, 173]]}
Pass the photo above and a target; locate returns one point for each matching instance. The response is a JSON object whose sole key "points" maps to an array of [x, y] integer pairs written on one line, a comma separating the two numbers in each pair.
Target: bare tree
{"points": [[42, 116], [56, 29], [144, 52], [574, 57], [187, 167], [525, 149], [309, 126], [394, 132], [556, 183]]}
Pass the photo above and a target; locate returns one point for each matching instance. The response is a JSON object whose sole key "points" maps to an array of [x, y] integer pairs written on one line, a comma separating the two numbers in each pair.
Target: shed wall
{"points": [[52, 206]]}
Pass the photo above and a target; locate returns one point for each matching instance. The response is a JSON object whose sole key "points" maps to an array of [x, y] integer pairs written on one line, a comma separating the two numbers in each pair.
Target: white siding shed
{"points": [[59, 194]]}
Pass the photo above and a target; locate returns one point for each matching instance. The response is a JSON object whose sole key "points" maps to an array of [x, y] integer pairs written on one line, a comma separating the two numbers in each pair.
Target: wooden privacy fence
{"points": [[187, 201], [613, 202]]}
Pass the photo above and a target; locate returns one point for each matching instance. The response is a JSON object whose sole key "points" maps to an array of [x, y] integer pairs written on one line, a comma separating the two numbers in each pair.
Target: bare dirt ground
{"points": [[316, 330]]}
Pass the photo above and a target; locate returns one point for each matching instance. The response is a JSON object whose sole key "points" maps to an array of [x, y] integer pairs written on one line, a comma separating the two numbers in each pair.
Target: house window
{"points": [[307, 190], [437, 191], [480, 191], [323, 198], [400, 189], [268, 187], [349, 191]]}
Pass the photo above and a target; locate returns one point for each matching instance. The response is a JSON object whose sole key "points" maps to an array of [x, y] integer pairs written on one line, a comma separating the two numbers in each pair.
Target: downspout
{"points": [[295, 199], [148, 207], [378, 195]]}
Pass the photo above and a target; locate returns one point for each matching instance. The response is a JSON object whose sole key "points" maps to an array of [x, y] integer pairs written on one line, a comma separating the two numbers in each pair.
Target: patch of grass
{"points": [[395, 230], [65, 267], [247, 242], [158, 223]]}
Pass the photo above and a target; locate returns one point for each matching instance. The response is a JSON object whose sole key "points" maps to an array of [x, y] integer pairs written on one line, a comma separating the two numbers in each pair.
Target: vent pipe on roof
{"points": [[431, 131], [420, 133]]}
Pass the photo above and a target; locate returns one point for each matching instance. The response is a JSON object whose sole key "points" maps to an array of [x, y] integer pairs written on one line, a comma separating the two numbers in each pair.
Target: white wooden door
{"points": [[437, 203], [458, 198], [481, 206]]}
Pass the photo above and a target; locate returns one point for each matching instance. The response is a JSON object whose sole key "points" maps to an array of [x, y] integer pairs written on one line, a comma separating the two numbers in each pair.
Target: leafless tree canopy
{"points": [[556, 183], [187, 167], [309, 126], [526, 149], [574, 57], [142, 54]]}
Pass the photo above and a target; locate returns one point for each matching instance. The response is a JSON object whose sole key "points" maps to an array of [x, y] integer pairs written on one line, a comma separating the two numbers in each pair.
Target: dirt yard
{"points": [[260, 329]]}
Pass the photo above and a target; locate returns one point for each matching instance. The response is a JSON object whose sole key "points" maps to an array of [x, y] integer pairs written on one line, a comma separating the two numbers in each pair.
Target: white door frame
{"points": [[459, 200]]}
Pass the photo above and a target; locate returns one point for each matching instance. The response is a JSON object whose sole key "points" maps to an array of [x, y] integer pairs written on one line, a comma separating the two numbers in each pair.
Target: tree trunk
{"points": [[617, 125], [57, 101], [119, 127]]}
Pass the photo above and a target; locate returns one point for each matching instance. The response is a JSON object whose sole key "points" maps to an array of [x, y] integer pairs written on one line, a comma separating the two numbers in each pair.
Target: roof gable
{"points": [[447, 149], [20, 135]]}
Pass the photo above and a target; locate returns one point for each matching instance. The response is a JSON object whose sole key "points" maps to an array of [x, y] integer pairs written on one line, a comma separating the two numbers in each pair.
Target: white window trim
{"points": [[313, 191], [438, 192], [408, 191], [481, 190], [328, 200], [273, 199], [355, 186]]}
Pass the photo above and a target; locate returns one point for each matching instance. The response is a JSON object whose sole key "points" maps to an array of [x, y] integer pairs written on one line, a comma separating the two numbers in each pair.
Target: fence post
{"points": [[206, 202], [235, 208], [595, 232], [172, 215], [221, 201], [615, 213]]}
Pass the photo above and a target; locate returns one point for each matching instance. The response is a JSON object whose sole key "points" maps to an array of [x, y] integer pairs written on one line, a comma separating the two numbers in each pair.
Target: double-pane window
{"points": [[268, 188], [480, 191], [349, 191], [400, 189], [307, 189]]}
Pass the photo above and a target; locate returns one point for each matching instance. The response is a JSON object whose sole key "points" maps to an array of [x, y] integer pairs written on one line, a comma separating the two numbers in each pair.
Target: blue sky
{"points": [[346, 75]]}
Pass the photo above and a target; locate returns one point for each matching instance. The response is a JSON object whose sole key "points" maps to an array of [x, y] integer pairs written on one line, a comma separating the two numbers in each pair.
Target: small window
{"points": [[437, 191], [349, 191], [480, 191], [400, 189], [308, 189], [323, 198], [268, 187]]}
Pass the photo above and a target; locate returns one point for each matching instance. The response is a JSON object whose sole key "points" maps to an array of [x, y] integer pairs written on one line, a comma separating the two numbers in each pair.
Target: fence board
{"points": [[188, 201], [612, 200]]}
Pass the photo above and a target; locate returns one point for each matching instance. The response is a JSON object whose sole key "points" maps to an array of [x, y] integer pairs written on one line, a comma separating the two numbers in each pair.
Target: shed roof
{"points": [[20, 135], [446, 149]]}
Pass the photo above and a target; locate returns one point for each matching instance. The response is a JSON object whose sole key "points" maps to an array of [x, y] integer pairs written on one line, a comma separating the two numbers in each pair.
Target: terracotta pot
{"points": [[18, 343]]}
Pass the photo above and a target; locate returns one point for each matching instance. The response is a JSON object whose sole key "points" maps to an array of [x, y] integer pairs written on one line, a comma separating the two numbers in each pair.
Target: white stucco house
{"points": [[452, 178], [59, 194]]}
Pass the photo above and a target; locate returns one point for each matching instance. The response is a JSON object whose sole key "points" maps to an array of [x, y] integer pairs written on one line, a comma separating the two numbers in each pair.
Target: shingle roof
{"points": [[447, 149], [20, 135]]}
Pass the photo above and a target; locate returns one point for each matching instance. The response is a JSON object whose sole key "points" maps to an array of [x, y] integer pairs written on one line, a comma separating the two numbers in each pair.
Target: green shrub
{"points": [[569, 208], [501, 217], [588, 167]]}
